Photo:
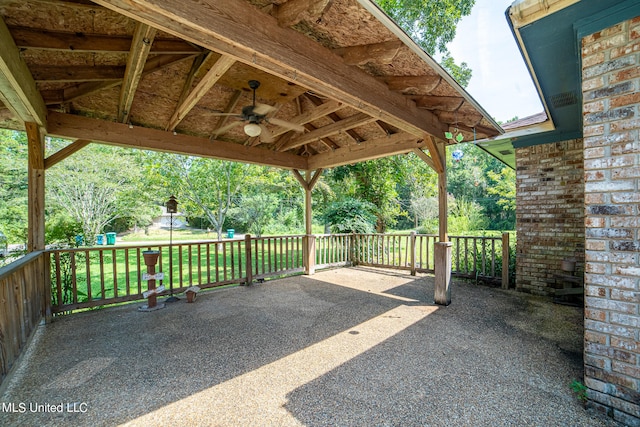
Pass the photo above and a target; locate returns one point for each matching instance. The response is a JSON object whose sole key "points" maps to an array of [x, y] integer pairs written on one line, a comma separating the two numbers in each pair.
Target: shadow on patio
{"points": [[352, 346]]}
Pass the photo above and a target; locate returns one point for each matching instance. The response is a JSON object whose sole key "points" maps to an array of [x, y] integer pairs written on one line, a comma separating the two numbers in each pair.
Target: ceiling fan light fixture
{"points": [[252, 129]]}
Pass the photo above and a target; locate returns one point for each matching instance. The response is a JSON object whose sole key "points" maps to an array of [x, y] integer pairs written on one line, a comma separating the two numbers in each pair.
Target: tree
{"points": [[432, 24], [351, 216], [375, 181], [13, 185], [205, 187], [95, 187]]}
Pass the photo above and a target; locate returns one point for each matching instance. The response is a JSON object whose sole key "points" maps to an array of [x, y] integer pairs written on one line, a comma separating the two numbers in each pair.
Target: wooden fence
{"points": [[24, 302], [91, 277]]}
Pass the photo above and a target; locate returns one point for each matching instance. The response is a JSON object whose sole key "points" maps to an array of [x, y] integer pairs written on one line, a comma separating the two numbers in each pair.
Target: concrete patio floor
{"points": [[344, 347]]}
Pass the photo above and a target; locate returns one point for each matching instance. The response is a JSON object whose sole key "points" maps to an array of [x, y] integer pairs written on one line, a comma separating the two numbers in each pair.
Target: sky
{"points": [[500, 82]]}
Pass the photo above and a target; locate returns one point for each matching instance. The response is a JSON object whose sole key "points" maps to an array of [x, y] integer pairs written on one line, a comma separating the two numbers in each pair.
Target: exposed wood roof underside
{"points": [[166, 74]]}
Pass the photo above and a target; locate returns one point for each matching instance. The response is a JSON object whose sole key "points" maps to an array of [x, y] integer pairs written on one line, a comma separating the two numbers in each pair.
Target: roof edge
{"points": [[381, 16], [524, 12]]}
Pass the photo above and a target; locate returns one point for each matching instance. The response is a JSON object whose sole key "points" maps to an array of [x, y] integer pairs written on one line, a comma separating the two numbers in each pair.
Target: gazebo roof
{"points": [[162, 74]]}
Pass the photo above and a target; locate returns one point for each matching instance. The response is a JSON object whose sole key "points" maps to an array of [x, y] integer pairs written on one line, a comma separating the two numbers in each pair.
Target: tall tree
{"points": [[432, 24], [13, 185], [206, 187], [96, 186]]}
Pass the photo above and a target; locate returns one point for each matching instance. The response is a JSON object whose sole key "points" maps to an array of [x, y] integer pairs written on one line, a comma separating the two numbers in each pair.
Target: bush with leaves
{"points": [[351, 216]]}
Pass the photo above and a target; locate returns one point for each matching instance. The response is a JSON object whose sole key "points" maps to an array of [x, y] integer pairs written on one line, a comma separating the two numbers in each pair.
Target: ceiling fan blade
{"points": [[226, 128], [262, 109], [286, 124], [265, 135]]}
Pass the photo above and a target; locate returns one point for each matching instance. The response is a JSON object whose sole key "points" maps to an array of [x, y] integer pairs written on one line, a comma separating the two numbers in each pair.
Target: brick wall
{"points": [[549, 213], [611, 119]]}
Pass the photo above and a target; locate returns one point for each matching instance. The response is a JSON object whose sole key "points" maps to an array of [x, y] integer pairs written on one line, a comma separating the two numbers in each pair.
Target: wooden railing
{"points": [[24, 302], [480, 258], [91, 277]]}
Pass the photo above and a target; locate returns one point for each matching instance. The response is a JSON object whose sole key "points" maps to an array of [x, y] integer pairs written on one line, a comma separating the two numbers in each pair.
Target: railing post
{"points": [[46, 278], [247, 257], [505, 260], [412, 252], [309, 247]]}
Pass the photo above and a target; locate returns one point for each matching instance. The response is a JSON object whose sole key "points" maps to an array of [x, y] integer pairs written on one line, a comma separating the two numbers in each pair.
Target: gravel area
{"points": [[344, 347]]}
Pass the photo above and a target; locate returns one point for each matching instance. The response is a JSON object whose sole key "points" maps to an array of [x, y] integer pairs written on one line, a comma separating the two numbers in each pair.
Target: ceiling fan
{"points": [[254, 116]]}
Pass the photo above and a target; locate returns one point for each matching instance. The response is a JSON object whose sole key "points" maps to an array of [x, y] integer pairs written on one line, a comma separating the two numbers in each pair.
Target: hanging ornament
{"points": [[455, 136], [457, 155]]}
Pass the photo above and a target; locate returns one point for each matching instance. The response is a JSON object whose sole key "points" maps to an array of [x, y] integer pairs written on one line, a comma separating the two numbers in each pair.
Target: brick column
{"points": [[611, 118], [549, 213]]}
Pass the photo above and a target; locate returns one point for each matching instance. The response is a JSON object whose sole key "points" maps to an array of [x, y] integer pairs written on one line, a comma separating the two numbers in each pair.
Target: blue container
{"points": [[111, 238], [100, 239], [79, 240], [230, 233]]}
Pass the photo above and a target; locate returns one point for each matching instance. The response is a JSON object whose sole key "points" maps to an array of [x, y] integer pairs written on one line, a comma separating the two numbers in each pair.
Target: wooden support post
{"points": [[309, 241], [442, 250], [309, 253], [412, 248], [442, 255], [505, 260], [248, 259], [35, 137]]}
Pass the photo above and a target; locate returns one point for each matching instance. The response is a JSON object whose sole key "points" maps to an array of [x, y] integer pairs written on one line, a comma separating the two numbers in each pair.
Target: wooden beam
{"points": [[442, 103], [35, 177], [412, 84], [77, 127], [230, 27], [140, 47], [438, 162], [373, 149], [292, 12], [83, 89], [233, 101], [77, 73], [311, 115], [218, 69], [428, 160], [28, 38], [356, 120], [17, 87], [65, 152], [382, 53], [335, 117]]}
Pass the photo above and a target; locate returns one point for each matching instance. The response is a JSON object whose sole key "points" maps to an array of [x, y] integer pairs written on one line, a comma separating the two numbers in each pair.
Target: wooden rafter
{"points": [[52, 97], [290, 12], [17, 87], [216, 71], [228, 27], [77, 127], [27, 38], [233, 101], [373, 149], [313, 114], [335, 117], [412, 84], [442, 103], [382, 53], [140, 47], [356, 120], [78, 73]]}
